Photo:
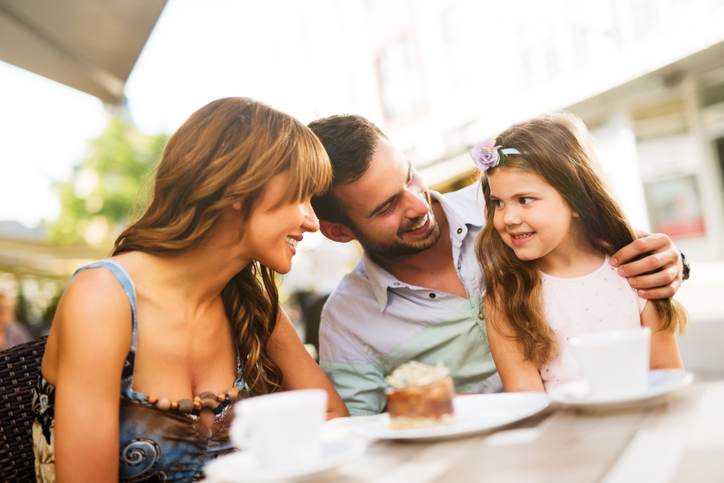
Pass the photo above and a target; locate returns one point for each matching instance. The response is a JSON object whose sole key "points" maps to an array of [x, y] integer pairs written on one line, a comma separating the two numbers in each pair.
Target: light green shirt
{"points": [[374, 322]]}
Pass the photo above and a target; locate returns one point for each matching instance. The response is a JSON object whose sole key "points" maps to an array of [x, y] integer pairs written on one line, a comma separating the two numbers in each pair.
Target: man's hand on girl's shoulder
{"points": [[660, 271]]}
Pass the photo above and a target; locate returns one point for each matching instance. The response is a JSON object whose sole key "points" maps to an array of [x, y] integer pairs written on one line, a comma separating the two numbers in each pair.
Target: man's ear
{"points": [[336, 231]]}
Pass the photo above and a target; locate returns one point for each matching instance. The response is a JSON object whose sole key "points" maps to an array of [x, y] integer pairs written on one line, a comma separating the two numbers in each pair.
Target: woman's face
{"points": [[273, 230]]}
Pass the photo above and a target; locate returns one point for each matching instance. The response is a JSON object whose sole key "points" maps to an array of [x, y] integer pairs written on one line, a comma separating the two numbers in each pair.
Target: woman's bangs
{"points": [[310, 169]]}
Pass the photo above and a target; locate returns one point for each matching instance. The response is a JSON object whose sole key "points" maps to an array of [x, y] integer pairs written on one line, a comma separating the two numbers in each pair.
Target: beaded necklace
{"points": [[203, 405]]}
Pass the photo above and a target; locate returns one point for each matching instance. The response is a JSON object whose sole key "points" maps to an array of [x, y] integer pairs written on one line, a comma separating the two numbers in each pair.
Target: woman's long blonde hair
{"points": [[556, 148], [227, 152]]}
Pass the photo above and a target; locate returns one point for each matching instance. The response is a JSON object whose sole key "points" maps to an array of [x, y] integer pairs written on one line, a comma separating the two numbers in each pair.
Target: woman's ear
{"points": [[336, 231], [236, 206]]}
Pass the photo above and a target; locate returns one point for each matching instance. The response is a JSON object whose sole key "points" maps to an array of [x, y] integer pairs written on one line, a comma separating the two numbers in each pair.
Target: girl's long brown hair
{"points": [[227, 152], [556, 148]]}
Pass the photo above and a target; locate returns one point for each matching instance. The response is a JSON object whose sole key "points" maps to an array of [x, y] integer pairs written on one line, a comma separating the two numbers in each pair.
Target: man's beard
{"points": [[397, 248]]}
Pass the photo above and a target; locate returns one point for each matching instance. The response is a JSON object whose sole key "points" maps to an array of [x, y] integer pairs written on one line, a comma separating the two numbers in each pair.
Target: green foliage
{"points": [[22, 307], [49, 311], [108, 187]]}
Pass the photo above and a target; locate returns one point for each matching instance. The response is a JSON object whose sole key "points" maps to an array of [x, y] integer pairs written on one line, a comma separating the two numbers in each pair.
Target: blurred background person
{"points": [[11, 332]]}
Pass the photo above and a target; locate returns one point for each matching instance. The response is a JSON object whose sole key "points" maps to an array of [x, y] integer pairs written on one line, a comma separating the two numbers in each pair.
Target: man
{"points": [[416, 293], [11, 333]]}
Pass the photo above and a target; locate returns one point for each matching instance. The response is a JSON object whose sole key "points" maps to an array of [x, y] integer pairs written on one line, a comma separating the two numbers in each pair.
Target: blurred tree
{"points": [[107, 186], [50, 309], [22, 306]]}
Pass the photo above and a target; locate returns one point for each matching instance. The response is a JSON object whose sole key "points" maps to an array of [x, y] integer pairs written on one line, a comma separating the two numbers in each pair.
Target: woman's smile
{"points": [[293, 241]]}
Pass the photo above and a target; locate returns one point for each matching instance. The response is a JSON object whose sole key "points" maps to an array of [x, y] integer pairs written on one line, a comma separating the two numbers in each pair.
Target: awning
{"points": [[90, 45]]}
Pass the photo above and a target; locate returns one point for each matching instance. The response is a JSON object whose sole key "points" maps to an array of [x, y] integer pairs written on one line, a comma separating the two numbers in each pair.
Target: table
{"points": [[680, 439]]}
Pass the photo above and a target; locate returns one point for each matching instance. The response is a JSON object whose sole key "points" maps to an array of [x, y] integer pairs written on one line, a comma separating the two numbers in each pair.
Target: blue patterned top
{"points": [[155, 445]]}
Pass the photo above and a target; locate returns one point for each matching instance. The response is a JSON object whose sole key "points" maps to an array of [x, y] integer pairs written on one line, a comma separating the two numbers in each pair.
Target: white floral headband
{"points": [[488, 155]]}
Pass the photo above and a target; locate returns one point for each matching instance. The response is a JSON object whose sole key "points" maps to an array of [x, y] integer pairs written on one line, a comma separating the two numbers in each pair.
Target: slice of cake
{"points": [[420, 395]]}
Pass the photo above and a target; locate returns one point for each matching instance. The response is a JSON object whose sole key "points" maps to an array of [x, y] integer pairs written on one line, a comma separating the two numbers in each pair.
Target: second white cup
{"points": [[614, 363]]}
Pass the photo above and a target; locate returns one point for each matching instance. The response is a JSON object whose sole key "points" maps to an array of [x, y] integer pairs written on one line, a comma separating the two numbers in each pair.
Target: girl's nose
{"points": [[511, 216]]}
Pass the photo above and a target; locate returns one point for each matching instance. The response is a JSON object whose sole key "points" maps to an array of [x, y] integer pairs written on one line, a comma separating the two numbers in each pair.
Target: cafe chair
{"points": [[19, 369]]}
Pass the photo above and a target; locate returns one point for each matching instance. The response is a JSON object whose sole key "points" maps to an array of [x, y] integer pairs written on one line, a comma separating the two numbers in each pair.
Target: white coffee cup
{"points": [[614, 363], [282, 430]]}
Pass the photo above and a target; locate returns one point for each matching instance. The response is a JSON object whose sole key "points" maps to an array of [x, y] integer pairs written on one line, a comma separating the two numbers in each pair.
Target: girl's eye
{"points": [[526, 200], [497, 204]]}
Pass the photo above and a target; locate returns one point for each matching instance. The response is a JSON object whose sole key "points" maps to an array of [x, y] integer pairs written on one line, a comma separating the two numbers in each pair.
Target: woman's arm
{"points": [[664, 346], [299, 371], [517, 373], [656, 276], [92, 331]]}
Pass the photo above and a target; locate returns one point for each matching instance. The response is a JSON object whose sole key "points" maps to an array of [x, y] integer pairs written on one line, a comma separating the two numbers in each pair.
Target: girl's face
{"points": [[273, 230], [531, 217]]}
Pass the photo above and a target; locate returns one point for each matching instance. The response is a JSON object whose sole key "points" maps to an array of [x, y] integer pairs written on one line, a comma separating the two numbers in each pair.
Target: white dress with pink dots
{"points": [[599, 301]]}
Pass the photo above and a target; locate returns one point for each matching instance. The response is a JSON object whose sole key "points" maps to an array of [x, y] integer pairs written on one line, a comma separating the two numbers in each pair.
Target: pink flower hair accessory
{"points": [[488, 155]]}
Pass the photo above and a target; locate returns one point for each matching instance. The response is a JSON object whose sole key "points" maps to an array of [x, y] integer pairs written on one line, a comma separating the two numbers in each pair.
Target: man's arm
{"points": [[358, 380], [361, 386], [299, 370], [657, 275]]}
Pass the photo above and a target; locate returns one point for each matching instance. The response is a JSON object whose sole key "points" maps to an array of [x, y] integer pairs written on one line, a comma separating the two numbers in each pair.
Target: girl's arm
{"points": [[517, 373], [664, 346], [299, 371], [89, 340]]}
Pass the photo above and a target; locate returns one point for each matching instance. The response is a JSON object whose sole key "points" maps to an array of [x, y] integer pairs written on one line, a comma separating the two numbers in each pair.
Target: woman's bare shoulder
{"points": [[95, 292], [91, 327], [93, 316]]}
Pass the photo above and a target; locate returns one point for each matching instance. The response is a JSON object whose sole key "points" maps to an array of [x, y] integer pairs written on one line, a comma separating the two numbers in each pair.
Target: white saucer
{"points": [[473, 413], [243, 467], [662, 382]]}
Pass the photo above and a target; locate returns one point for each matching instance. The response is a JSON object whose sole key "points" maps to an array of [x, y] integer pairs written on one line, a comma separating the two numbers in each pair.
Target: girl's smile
{"points": [[520, 239]]}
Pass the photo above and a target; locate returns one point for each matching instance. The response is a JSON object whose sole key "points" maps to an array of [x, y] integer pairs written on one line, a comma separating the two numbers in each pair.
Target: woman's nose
{"points": [[311, 222]]}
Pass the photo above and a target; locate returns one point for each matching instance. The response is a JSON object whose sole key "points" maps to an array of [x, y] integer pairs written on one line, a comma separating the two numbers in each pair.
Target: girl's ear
{"points": [[236, 206], [576, 216]]}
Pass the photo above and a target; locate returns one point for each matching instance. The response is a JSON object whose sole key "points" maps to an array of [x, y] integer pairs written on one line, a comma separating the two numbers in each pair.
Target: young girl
{"points": [[149, 348], [551, 226]]}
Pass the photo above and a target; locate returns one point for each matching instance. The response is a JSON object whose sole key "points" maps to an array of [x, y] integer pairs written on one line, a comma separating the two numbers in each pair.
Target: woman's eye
{"points": [[526, 200]]}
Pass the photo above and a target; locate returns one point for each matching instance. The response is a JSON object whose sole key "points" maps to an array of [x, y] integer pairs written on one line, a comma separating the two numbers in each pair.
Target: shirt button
{"points": [[460, 230], [432, 295]]}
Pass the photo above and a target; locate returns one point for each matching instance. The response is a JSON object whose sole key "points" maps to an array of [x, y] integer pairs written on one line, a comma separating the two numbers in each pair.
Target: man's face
{"points": [[389, 208]]}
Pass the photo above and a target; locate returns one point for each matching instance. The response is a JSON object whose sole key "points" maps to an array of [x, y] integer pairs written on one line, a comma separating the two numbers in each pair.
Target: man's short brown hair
{"points": [[349, 142]]}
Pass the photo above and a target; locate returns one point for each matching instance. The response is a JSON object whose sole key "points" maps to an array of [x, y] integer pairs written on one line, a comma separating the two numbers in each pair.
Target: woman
{"points": [[185, 315]]}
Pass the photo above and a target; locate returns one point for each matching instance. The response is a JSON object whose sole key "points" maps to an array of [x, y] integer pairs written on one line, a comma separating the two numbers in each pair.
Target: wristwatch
{"points": [[686, 272]]}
